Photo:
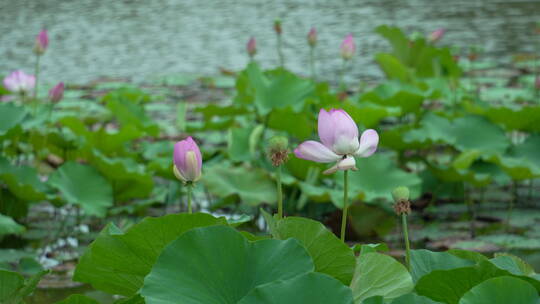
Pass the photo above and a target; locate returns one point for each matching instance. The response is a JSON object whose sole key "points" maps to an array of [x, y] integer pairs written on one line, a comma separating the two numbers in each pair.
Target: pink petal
{"points": [[315, 151], [325, 128], [368, 143], [345, 140], [186, 168]]}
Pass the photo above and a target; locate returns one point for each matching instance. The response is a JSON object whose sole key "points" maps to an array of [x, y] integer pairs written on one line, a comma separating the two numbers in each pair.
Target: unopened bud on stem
{"points": [[402, 204]]}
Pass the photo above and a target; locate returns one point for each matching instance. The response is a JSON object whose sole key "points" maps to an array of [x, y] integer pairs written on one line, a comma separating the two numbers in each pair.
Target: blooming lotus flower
{"points": [[187, 160], [42, 41], [312, 37], [19, 82], [251, 47], [347, 47], [339, 136], [57, 93], [436, 35]]}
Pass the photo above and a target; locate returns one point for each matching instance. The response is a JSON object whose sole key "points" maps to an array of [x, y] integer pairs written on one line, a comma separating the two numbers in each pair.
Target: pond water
{"points": [[143, 39]]}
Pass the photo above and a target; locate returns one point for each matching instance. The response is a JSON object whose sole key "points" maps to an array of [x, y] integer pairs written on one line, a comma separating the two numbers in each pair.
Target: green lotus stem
{"points": [[189, 194], [279, 192], [280, 52], [342, 75], [406, 238], [312, 62], [345, 205], [37, 75]]}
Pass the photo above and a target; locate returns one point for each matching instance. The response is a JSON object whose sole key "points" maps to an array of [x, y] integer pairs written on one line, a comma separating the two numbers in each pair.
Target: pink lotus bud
{"points": [[57, 93], [252, 47], [436, 35], [537, 83], [347, 47], [312, 37], [339, 142], [187, 160], [19, 82], [42, 41]]}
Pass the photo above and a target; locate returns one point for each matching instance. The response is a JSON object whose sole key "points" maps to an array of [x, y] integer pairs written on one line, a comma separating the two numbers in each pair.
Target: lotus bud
{"points": [[537, 83], [436, 35], [278, 150], [347, 47], [401, 199], [312, 37], [277, 26], [42, 41], [19, 82], [251, 47], [187, 161], [57, 93]]}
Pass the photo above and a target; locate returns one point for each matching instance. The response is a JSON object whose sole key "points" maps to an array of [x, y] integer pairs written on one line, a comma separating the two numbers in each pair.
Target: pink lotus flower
{"points": [[312, 37], [339, 136], [347, 47], [187, 160], [436, 35], [57, 93], [251, 47], [42, 41], [19, 82]]}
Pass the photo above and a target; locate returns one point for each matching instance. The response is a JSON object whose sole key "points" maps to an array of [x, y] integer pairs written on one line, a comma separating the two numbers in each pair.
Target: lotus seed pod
{"points": [[401, 194]]}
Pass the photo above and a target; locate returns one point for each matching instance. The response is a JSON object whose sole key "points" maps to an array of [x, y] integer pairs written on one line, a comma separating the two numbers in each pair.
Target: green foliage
{"points": [[117, 261], [501, 290]]}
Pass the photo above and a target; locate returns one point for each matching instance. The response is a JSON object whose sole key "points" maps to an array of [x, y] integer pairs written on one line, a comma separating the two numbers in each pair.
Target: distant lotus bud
{"points": [[277, 26], [312, 37], [42, 41], [57, 93], [537, 83], [278, 150], [436, 35], [252, 47], [347, 47], [401, 199], [19, 82], [187, 160]]}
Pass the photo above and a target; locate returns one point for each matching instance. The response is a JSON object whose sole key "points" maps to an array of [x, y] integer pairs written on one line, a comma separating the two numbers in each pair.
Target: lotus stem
{"points": [[345, 205], [280, 52], [406, 238], [312, 62], [37, 76], [279, 192], [189, 194]]}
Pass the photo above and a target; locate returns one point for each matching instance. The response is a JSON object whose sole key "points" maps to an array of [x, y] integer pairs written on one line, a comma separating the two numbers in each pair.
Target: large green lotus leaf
{"points": [[312, 288], [10, 116], [78, 299], [219, 265], [224, 181], [377, 176], [424, 261], [396, 94], [448, 286], [9, 226], [83, 185], [10, 284], [368, 114], [523, 160], [501, 290], [129, 178], [300, 125], [271, 90], [378, 274], [117, 262], [413, 298], [127, 107], [329, 254], [433, 129], [238, 143], [392, 67], [478, 133], [22, 181], [512, 117], [512, 264]]}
